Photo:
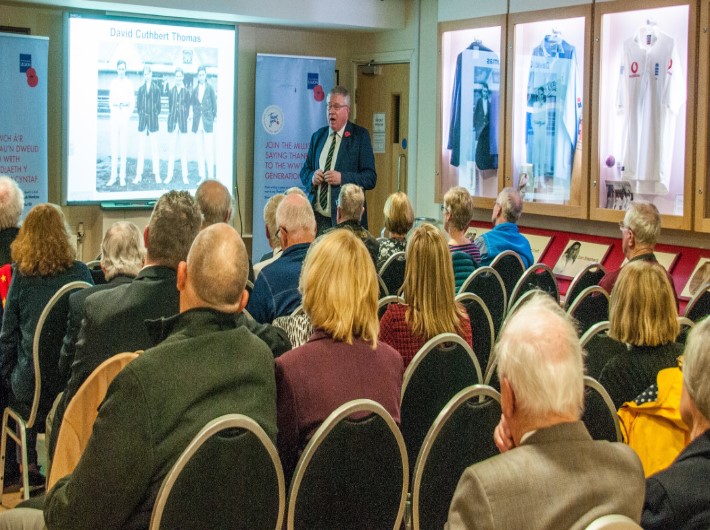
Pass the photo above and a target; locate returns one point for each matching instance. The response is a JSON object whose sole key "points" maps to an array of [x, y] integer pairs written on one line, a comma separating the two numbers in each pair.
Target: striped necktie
{"points": [[323, 190]]}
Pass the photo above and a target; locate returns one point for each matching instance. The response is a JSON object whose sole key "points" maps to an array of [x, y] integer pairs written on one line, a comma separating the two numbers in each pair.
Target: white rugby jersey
{"points": [[651, 91]]}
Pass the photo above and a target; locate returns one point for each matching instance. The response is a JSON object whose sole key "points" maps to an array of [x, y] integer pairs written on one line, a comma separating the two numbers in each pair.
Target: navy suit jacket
{"points": [[356, 163]]}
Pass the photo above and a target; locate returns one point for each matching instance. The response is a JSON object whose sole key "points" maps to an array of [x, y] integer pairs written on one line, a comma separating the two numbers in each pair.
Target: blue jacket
{"points": [[276, 289], [356, 163], [504, 236]]}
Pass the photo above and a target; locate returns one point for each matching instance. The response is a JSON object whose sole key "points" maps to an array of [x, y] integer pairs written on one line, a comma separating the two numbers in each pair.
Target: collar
{"points": [[203, 317], [157, 271], [698, 447], [572, 431], [294, 248]]}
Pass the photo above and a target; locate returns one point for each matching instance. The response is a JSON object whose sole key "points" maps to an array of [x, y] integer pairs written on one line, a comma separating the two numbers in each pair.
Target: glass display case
{"points": [[701, 188], [546, 110], [471, 110], [642, 132]]}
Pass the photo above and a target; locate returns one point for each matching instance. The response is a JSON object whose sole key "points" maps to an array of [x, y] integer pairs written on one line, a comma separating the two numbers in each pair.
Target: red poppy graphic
{"points": [[347, 134], [32, 78], [634, 67]]}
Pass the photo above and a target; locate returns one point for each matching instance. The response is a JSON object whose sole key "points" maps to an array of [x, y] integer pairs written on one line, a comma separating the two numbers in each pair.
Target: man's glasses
{"points": [[334, 106]]}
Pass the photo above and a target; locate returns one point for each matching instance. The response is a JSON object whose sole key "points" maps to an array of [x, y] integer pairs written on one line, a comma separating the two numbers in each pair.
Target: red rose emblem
{"points": [[347, 134]]}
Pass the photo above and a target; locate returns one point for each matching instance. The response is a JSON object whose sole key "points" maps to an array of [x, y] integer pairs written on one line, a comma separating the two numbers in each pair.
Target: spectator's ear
{"points": [[146, 233], [244, 300], [181, 276]]}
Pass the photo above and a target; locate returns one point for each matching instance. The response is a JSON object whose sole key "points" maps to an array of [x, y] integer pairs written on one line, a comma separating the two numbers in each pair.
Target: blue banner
{"points": [[289, 107], [23, 116]]}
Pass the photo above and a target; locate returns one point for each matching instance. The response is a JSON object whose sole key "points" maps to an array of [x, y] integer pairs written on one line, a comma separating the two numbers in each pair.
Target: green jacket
{"points": [[205, 368]]}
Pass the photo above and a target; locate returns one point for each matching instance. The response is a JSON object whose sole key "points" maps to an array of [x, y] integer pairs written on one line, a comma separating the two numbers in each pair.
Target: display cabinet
{"points": [[546, 110], [470, 129], [701, 188], [642, 127]]}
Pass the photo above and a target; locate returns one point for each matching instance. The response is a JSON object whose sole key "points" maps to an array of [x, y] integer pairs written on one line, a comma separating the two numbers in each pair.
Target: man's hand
{"points": [[333, 177], [318, 177], [502, 437]]}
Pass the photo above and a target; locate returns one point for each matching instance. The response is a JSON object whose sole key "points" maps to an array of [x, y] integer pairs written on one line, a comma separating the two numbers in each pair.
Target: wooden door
{"points": [[383, 108]]}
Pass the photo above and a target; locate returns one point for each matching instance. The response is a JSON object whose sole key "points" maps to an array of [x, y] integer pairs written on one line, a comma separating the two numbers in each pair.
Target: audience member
{"points": [[642, 314], [399, 218], [505, 234], [276, 289], [458, 210], [342, 360], [271, 228], [122, 257], [640, 229], [351, 206], [114, 319], [428, 289], [44, 262], [204, 367], [679, 497], [551, 474], [12, 200]]}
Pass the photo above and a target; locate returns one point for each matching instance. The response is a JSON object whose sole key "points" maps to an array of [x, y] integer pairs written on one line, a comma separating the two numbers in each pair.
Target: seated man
{"points": [[206, 366], [505, 234], [271, 229], [551, 474], [679, 496], [276, 289], [351, 206]]}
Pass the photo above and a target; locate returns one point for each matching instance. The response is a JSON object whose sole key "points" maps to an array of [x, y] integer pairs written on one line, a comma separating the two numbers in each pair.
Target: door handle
{"points": [[399, 170]]}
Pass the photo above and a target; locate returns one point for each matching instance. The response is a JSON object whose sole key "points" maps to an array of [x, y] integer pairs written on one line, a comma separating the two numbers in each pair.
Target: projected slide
{"points": [[150, 107]]}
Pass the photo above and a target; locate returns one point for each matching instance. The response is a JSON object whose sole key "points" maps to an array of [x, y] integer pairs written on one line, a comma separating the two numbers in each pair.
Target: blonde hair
{"points": [[642, 310], [42, 246], [460, 206], [339, 287], [428, 286], [399, 214]]}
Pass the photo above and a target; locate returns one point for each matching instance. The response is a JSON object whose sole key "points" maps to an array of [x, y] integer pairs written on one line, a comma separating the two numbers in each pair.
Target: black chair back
{"points": [[487, 283], [685, 325], [600, 348], [444, 366], [587, 277], [538, 276], [481, 326], [699, 306], [461, 436], [392, 272], [384, 302], [590, 307], [510, 267], [229, 476], [353, 474], [600, 416]]}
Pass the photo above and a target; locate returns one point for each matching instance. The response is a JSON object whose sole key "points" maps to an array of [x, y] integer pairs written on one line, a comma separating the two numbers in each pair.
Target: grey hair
{"points": [[644, 220], [696, 366], [270, 217], [12, 200], [512, 204], [340, 91], [295, 189], [540, 354], [215, 202], [351, 200], [295, 214], [122, 250]]}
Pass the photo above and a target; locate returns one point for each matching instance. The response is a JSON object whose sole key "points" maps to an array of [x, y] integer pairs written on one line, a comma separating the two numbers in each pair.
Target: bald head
{"points": [[214, 201], [215, 273]]}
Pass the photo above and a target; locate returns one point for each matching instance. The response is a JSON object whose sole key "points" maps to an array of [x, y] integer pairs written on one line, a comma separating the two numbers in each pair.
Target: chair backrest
{"points": [[229, 476], [353, 473], [297, 311], [699, 305], [614, 522], [387, 300], [461, 436], [600, 348], [588, 276], [487, 283], [46, 345], [519, 302], [481, 326], [249, 287], [600, 415], [382, 288], [685, 325], [80, 415], [537, 276], [510, 267], [392, 272], [590, 307], [445, 365], [491, 376]]}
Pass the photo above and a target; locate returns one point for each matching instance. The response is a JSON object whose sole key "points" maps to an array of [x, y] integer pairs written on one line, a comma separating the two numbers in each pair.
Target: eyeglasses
{"points": [[334, 106], [444, 208], [279, 230]]}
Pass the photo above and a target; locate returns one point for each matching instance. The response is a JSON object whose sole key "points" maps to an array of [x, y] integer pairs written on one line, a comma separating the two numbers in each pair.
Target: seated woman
{"points": [[679, 496], [643, 315], [399, 218], [342, 360], [429, 292], [458, 211], [44, 262]]}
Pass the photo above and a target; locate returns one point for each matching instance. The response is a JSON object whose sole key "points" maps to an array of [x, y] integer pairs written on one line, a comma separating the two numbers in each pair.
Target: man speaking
{"points": [[340, 153]]}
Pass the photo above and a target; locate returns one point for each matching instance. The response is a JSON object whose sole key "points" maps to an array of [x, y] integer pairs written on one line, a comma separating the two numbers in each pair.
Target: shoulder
{"points": [[356, 130]]}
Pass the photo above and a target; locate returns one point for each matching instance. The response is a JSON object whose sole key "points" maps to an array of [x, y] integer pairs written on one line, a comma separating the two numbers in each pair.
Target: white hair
{"points": [[295, 214], [696, 366], [12, 200], [122, 250], [540, 354]]}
